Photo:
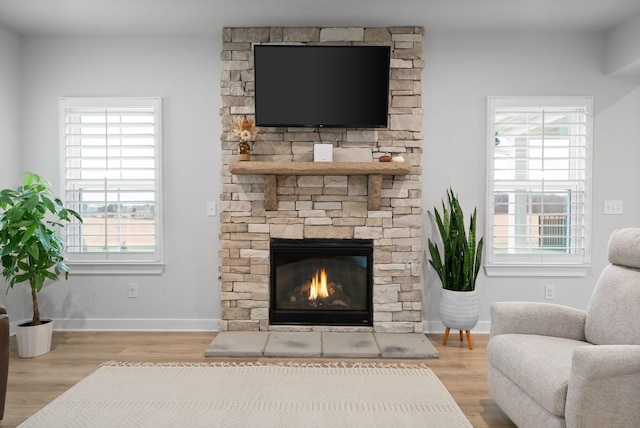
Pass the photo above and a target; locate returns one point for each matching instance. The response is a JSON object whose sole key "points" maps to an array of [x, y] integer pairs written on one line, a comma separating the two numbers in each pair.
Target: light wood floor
{"points": [[35, 382]]}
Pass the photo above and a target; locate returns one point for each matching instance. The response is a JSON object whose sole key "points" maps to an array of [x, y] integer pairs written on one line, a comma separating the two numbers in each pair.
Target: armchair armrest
{"points": [[604, 387], [544, 319]]}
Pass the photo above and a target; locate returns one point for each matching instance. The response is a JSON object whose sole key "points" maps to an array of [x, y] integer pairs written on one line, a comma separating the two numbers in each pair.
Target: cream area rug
{"points": [[254, 395]]}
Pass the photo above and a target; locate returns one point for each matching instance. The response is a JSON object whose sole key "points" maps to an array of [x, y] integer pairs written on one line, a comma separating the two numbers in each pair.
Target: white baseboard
{"points": [[132, 324], [149, 324]]}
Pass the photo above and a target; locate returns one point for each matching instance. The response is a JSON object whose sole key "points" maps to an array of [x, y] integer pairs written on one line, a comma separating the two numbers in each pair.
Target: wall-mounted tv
{"points": [[321, 86]]}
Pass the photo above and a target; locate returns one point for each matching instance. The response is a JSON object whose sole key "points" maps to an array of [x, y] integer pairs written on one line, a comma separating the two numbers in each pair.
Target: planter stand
{"points": [[459, 310], [446, 336]]}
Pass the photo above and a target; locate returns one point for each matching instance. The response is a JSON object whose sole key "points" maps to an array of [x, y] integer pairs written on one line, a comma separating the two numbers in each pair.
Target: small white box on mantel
{"points": [[323, 152]]}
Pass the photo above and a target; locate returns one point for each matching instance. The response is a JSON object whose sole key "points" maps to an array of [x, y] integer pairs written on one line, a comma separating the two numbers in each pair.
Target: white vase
{"points": [[34, 340], [459, 310]]}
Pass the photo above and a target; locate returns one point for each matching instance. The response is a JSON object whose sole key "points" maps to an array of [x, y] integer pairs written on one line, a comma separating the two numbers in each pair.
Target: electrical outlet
{"points": [[133, 291], [613, 207], [549, 292]]}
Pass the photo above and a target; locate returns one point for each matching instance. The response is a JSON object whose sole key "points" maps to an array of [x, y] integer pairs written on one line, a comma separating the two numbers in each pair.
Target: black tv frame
{"points": [[342, 94]]}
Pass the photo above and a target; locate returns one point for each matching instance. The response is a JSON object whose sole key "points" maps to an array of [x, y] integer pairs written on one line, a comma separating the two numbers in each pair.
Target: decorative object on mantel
{"points": [[385, 158], [247, 131], [322, 152], [457, 267], [397, 159]]}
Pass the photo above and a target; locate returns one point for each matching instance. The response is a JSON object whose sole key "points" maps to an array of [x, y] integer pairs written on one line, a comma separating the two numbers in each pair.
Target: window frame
{"points": [[117, 262], [528, 264]]}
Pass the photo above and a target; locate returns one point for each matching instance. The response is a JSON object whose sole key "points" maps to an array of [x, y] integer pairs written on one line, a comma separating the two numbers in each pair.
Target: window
{"points": [[111, 168], [538, 186]]}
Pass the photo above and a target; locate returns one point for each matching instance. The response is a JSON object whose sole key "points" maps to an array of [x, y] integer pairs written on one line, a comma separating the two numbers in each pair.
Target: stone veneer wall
{"points": [[323, 206]]}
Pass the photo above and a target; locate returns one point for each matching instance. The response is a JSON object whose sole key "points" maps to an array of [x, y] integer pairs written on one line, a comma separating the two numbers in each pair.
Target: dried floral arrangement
{"points": [[245, 129]]}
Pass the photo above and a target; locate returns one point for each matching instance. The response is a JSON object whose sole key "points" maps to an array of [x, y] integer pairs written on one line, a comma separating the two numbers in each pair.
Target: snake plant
{"points": [[459, 263]]}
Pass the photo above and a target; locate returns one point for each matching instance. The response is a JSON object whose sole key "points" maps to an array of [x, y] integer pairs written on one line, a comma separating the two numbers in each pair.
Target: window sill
{"points": [[536, 270], [115, 268]]}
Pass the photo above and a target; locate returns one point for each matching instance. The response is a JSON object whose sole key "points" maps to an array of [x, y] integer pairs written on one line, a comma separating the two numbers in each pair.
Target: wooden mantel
{"points": [[374, 171]]}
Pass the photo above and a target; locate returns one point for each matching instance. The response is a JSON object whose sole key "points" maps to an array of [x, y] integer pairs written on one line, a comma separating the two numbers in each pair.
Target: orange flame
{"points": [[319, 286]]}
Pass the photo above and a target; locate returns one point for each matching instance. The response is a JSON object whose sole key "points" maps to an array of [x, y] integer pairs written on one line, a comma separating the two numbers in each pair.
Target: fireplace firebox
{"points": [[321, 282]]}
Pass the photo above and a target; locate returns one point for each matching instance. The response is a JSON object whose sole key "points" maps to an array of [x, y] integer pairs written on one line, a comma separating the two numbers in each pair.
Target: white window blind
{"points": [[111, 162], [539, 185]]}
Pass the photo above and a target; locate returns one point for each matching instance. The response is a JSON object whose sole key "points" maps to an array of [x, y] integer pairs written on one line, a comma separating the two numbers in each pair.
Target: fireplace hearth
{"points": [[321, 282]]}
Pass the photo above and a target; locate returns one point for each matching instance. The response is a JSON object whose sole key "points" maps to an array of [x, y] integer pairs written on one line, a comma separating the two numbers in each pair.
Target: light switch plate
{"points": [[613, 207], [211, 209]]}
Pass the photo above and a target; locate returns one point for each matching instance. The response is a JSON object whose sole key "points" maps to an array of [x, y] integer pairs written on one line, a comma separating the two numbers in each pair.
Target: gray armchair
{"points": [[555, 366]]}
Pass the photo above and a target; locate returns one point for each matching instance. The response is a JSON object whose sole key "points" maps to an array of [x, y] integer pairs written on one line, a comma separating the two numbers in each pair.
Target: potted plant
{"points": [[457, 267], [31, 250]]}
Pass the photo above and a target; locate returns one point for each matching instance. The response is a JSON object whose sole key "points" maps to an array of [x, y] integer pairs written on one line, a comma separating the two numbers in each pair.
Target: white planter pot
{"points": [[459, 310], [34, 340]]}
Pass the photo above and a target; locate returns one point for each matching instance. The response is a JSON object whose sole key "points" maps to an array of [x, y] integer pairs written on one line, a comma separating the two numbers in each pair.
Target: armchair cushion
{"points": [[540, 365], [624, 247], [612, 316]]}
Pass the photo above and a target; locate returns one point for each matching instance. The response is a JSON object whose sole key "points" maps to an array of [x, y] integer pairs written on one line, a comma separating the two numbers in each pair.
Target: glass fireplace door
{"points": [[321, 282]]}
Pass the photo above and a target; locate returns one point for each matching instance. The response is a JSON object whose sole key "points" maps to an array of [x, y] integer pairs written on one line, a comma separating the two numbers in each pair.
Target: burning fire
{"points": [[319, 287]]}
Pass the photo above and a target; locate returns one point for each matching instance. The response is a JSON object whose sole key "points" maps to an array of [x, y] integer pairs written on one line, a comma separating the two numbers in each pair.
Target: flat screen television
{"points": [[321, 86]]}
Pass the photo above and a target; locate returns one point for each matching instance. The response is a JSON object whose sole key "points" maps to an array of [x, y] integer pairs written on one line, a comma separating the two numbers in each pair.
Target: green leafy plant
{"points": [[30, 248], [459, 264]]}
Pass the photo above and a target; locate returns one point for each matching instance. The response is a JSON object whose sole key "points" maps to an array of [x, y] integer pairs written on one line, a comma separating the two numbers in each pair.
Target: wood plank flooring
{"points": [[35, 382]]}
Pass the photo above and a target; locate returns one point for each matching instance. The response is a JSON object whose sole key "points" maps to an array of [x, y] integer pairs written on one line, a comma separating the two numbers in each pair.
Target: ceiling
{"points": [[198, 17]]}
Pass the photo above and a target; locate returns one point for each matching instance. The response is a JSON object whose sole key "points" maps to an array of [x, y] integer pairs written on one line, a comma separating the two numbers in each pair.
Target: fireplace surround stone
{"points": [[323, 206]]}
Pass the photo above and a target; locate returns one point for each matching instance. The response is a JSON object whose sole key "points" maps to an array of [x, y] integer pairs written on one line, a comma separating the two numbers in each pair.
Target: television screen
{"points": [[321, 86]]}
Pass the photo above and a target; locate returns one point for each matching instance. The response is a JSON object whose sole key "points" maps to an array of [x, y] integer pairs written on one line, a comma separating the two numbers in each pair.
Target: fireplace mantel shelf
{"points": [[374, 171], [319, 168]]}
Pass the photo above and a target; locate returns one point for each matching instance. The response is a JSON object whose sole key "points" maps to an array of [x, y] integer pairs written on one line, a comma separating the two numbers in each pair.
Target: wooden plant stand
{"points": [[446, 336]]}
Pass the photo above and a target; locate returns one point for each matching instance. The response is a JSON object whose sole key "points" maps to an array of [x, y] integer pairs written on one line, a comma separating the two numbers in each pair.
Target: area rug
{"points": [[254, 395]]}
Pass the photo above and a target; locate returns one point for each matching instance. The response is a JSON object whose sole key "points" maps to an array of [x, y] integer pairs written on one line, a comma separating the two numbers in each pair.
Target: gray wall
{"points": [[184, 72], [461, 70], [10, 142], [10, 101]]}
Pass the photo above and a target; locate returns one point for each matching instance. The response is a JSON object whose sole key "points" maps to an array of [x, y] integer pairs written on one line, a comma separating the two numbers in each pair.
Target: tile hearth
{"points": [[320, 345]]}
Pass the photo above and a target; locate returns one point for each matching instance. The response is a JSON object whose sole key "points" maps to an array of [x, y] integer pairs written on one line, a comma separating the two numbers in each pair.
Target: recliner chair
{"points": [[555, 366]]}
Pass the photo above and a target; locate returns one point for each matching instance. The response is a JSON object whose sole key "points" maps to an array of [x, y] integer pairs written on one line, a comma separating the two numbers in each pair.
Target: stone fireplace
{"points": [[278, 197]]}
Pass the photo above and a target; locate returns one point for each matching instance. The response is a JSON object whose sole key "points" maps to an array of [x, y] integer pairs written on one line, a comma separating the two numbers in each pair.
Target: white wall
{"points": [[9, 108], [10, 86], [622, 51], [185, 73], [460, 72]]}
